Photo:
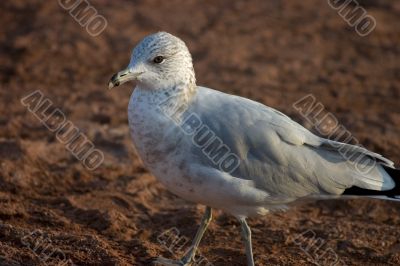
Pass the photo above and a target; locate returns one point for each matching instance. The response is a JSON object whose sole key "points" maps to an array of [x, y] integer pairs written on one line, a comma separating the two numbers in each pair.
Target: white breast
{"points": [[158, 139], [147, 126]]}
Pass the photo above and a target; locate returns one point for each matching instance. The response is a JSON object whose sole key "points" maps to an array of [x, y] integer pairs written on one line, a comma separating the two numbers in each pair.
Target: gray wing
{"points": [[280, 156]]}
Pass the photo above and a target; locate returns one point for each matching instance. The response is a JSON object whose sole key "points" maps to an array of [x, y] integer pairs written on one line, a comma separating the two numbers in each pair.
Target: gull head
{"points": [[159, 61]]}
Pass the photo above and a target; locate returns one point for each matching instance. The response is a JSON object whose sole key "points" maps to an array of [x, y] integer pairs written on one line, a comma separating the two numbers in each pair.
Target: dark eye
{"points": [[158, 59]]}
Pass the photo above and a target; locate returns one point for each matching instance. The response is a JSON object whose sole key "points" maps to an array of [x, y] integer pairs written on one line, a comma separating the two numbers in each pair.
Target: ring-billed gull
{"points": [[229, 152]]}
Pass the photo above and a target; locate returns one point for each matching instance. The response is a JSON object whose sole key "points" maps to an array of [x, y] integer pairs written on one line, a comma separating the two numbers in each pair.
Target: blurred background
{"points": [[53, 210]]}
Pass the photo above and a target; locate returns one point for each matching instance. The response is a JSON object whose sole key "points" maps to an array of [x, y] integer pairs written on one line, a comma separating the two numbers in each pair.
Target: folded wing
{"points": [[282, 157]]}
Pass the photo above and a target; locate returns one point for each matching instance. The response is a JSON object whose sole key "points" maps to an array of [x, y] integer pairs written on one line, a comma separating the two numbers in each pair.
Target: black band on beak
{"points": [[114, 80]]}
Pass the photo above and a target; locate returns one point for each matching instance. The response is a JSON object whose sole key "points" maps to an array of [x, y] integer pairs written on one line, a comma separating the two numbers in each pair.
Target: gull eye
{"points": [[158, 59]]}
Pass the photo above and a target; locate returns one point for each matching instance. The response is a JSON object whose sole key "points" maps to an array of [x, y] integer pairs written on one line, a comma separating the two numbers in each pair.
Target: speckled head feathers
{"points": [[164, 61]]}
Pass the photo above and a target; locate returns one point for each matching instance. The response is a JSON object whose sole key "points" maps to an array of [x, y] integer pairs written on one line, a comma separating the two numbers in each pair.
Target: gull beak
{"points": [[122, 77]]}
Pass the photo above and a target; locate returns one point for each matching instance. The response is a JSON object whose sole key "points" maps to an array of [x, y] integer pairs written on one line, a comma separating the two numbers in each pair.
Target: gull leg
{"points": [[246, 235], [205, 221], [189, 256]]}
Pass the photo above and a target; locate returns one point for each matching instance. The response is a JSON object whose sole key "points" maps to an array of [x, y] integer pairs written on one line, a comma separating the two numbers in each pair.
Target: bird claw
{"points": [[169, 262]]}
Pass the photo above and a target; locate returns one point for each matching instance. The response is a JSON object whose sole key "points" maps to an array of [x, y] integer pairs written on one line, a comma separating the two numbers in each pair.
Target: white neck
{"points": [[182, 93]]}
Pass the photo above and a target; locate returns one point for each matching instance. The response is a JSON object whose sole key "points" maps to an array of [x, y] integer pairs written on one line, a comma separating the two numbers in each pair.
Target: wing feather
{"points": [[280, 155]]}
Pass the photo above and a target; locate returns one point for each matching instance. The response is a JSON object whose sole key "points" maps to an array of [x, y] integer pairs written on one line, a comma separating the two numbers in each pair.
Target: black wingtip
{"points": [[393, 193]]}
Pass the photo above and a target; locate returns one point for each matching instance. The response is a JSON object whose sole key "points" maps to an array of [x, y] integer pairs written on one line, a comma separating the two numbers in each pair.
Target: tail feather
{"points": [[393, 193]]}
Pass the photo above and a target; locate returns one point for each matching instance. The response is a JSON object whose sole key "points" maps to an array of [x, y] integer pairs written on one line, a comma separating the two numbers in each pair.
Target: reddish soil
{"points": [[274, 52]]}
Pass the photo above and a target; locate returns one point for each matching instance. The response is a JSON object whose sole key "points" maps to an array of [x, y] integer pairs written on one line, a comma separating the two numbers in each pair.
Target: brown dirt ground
{"points": [[274, 52]]}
